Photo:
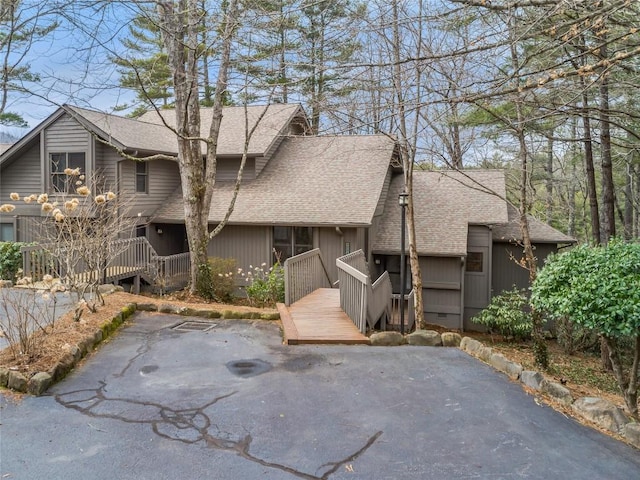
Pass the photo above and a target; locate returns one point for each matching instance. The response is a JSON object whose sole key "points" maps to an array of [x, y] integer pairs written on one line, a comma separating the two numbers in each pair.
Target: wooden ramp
{"points": [[318, 318]]}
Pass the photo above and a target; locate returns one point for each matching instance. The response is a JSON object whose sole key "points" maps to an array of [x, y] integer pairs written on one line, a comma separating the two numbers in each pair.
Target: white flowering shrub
{"points": [[265, 285], [216, 280], [77, 232]]}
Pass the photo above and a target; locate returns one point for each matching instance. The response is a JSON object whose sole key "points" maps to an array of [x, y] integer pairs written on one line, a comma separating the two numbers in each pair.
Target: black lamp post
{"points": [[402, 200]]}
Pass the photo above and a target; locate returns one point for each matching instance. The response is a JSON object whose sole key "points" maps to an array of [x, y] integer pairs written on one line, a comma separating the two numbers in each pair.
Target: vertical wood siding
{"points": [[506, 272], [248, 245], [477, 285]]}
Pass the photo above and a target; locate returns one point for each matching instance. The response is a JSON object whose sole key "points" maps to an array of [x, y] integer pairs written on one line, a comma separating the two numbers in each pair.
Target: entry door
{"points": [[476, 281]]}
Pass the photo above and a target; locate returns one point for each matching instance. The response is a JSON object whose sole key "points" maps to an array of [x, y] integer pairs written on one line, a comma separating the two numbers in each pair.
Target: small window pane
{"points": [[6, 232], [76, 160], [141, 177], [474, 262]]}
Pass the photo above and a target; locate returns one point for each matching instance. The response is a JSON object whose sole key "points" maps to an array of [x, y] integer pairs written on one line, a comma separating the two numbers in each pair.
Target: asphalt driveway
{"points": [[233, 403]]}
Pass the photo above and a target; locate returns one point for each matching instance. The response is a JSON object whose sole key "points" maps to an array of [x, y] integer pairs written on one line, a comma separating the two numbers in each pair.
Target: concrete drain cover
{"points": [[193, 326], [248, 368]]}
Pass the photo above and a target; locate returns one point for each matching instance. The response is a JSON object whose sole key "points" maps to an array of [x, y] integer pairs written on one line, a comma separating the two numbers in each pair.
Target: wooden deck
{"points": [[318, 318]]}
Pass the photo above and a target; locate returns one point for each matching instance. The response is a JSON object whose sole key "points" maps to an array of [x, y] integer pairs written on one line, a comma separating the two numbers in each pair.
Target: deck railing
{"points": [[365, 303], [131, 257], [410, 317], [303, 274]]}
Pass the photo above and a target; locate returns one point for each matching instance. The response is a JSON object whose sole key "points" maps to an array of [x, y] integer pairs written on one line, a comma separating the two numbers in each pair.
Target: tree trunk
{"points": [[628, 383], [608, 199], [589, 169]]}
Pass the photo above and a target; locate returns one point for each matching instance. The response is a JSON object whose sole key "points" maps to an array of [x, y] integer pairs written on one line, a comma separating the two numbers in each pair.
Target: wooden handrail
{"points": [[303, 274], [363, 302]]}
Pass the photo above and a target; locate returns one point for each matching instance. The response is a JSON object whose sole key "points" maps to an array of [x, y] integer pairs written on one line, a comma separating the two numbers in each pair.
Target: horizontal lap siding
{"points": [[227, 169], [442, 290], [106, 166], [163, 178], [67, 135], [24, 177]]}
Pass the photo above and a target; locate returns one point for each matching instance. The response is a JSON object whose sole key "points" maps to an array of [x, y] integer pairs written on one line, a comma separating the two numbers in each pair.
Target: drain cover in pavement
{"points": [[191, 326]]}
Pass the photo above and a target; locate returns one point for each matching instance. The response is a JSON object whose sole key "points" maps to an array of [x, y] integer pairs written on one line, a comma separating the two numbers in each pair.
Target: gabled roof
{"points": [[446, 203], [148, 134], [275, 120], [327, 180], [539, 232]]}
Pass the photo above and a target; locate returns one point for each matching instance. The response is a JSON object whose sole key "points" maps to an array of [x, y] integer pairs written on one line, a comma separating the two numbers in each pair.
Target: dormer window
{"points": [[60, 181]]}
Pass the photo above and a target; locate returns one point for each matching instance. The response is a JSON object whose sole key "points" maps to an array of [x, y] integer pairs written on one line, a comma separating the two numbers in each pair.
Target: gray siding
{"points": [[333, 244], [67, 135], [227, 169], [167, 239], [106, 165], [23, 176], [248, 245], [442, 290], [477, 285], [163, 179], [506, 272]]}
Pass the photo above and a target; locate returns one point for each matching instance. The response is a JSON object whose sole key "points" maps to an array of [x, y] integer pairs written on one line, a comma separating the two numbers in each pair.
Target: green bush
{"points": [[10, 260], [265, 287], [216, 281], [599, 289], [507, 315]]}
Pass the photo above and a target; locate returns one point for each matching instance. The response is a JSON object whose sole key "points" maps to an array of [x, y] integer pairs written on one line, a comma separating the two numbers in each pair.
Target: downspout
{"points": [[463, 264]]}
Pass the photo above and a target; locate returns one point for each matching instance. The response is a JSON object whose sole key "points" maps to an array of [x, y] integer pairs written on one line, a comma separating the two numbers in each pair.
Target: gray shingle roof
{"points": [[446, 203], [539, 231], [232, 130], [309, 181], [148, 133]]}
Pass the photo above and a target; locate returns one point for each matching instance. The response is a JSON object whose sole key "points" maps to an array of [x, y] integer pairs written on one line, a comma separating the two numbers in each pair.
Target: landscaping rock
{"points": [[632, 434], [147, 307], [557, 391], [386, 339], [172, 309], [601, 412], [97, 337], [470, 345], [484, 353], [17, 381], [451, 339], [500, 363], [426, 338], [108, 288], [39, 383], [531, 379], [4, 376]]}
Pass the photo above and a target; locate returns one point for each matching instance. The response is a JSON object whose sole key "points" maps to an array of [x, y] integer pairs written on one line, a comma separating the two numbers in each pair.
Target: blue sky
{"points": [[73, 69]]}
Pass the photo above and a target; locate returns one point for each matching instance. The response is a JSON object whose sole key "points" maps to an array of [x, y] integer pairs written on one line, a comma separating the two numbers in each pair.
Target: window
{"points": [[290, 241], [6, 232], [474, 262], [142, 177], [61, 182]]}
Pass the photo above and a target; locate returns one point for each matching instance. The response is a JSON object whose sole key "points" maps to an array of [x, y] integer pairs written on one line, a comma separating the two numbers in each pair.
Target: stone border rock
{"points": [[599, 411], [41, 381]]}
